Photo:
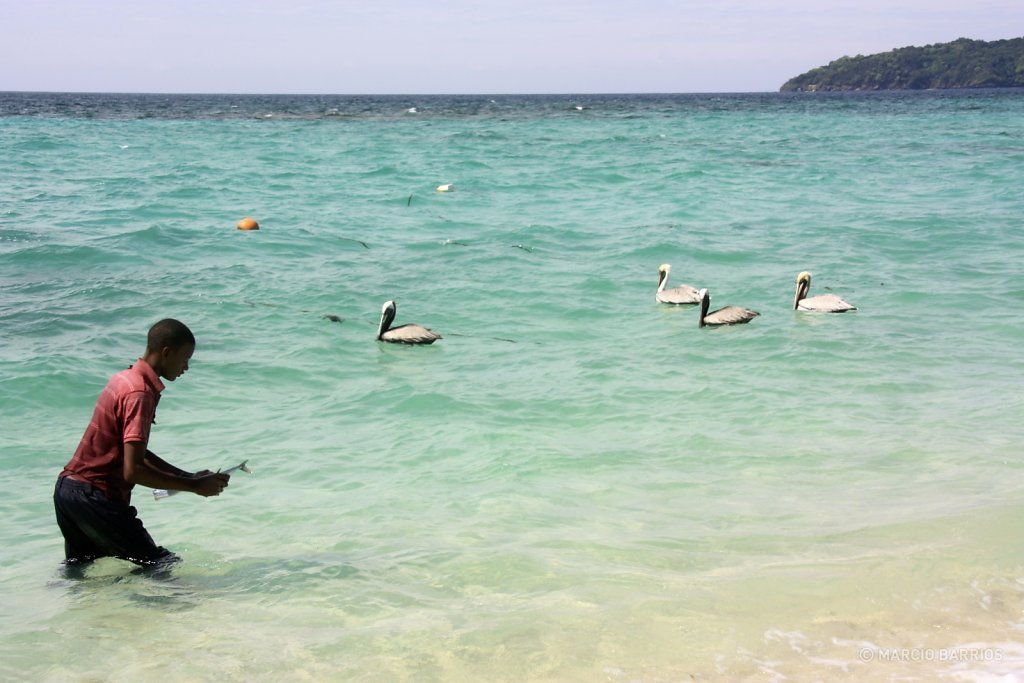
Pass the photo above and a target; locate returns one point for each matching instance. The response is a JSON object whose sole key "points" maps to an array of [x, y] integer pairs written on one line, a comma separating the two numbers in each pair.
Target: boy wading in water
{"points": [[92, 497]]}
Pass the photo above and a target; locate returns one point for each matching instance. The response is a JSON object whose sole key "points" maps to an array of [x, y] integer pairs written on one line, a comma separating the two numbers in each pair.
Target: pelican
{"points": [[403, 334], [730, 315], [683, 294], [822, 303]]}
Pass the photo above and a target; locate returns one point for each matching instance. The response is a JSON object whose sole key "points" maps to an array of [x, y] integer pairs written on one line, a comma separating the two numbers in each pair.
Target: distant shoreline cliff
{"points": [[963, 63]]}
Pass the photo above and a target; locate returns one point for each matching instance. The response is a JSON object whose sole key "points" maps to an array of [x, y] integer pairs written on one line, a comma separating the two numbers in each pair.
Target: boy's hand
{"points": [[211, 484]]}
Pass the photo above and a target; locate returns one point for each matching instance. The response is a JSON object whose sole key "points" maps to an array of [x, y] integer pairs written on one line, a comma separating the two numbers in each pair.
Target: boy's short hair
{"points": [[169, 333]]}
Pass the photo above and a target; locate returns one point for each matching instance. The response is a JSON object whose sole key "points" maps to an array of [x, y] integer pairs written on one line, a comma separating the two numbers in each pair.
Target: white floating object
{"points": [[445, 188]]}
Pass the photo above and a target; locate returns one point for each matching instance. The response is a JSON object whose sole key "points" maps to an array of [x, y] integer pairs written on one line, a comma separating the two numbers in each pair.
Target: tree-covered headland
{"points": [[963, 63]]}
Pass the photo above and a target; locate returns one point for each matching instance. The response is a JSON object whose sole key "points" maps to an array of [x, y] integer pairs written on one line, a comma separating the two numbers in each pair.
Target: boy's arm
{"points": [[145, 468], [158, 463]]}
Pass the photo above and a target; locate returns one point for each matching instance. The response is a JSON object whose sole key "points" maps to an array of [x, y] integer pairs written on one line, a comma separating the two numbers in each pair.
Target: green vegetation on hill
{"points": [[963, 63]]}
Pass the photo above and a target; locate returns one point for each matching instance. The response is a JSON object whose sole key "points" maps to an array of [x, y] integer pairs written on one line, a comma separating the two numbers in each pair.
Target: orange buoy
{"points": [[248, 224]]}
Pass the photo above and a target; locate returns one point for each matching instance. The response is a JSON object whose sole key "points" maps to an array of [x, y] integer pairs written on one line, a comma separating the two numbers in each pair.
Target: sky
{"points": [[463, 46]]}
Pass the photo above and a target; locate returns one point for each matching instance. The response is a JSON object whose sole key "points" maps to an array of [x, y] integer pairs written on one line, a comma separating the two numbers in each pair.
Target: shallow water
{"points": [[576, 483]]}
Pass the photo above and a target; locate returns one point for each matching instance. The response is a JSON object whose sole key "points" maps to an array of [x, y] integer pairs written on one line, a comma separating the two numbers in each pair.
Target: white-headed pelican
{"points": [[403, 334], [821, 303], [683, 294]]}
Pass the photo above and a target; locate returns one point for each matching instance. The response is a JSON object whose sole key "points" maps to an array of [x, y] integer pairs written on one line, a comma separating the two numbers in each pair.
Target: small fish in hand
{"points": [[160, 494]]}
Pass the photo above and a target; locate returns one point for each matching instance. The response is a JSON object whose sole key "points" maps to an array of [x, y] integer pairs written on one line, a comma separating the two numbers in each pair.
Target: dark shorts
{"points": [[95, 526]]}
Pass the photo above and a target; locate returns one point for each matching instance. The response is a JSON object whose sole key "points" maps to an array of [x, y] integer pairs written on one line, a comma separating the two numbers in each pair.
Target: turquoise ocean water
{"points": [[576, 483]]}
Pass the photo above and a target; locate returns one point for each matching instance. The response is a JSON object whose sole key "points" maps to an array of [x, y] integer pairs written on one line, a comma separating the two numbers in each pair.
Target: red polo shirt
{"points": [[124, 413]]}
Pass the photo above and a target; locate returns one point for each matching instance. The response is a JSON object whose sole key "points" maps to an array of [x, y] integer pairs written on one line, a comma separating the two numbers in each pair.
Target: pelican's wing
{"points": [[683, 294], [730, 315], [410, 334], [825, 303]]}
